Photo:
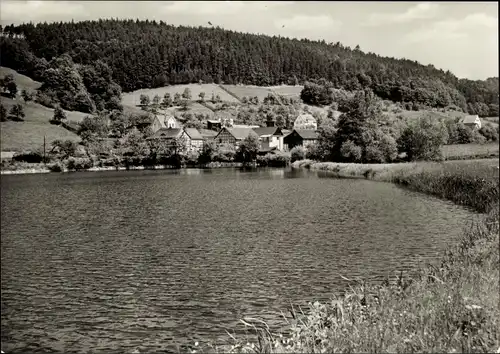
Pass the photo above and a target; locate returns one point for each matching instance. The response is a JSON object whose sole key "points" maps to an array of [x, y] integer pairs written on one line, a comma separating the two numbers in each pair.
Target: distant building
{"points": [[473, 121], [233, 136], [166, 122], [214, 124], [300, 137], [305, 121], [192, 138], [270, 138]]}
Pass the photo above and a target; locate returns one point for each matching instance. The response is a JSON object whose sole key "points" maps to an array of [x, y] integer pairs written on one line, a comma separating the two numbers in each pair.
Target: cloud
{"points": [[17, 11], [452, 29], [308, 26], [418, 12]]}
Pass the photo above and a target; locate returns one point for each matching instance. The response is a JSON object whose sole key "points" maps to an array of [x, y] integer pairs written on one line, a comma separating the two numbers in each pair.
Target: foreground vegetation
{"points": [[450, 306]]}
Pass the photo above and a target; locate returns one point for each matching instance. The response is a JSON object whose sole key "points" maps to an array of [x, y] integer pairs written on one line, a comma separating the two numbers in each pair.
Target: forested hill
{"points": [[147, 54]]}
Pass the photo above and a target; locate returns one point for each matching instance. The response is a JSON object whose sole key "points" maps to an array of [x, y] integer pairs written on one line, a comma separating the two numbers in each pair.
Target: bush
{"points": [[78, 164], [298, 153], [351, 151], [489, 132], [57, 166], [279, 159], [30, 157], [423, 139]]}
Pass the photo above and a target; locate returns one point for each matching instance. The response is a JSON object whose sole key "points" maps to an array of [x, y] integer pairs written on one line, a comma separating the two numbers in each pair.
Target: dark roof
{"points": [[307, 134], [267, 131], [240, 133], [168, 133], [193, 133]]}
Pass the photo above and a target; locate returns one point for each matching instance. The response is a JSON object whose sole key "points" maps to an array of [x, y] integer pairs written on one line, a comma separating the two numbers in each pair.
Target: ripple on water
{"points": [[155, 260]]}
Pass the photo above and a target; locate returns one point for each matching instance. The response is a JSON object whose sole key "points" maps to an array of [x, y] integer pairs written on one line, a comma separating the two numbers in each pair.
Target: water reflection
{"points": [[118, 260]]}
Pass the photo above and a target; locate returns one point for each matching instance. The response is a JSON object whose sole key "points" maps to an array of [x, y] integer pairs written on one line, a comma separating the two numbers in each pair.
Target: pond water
{"points": [[112, 261]]}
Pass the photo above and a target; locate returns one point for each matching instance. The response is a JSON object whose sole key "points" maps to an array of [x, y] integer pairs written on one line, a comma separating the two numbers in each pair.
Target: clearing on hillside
{"points": [[133, 98], [460, 151], [22, 81], [28, 135], [241, 91], [287, 91], [40, 114]]}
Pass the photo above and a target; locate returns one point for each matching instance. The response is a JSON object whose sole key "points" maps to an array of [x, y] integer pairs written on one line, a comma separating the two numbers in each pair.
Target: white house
{"points": [[166, 122], [473, 121], [270, 137], [305, 121]]}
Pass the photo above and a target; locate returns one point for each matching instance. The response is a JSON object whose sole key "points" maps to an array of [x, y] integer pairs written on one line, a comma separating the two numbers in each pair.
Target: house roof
{"points": [[245, 126], [168, 133], [162, 120], [305, 118], [470, 119], [213, 121], [193, 133], [239, 133], [268, 131], [207, 133], [307, 133]]}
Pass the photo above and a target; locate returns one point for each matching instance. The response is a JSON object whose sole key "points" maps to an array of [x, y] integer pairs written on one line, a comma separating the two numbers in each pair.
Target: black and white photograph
{"points": [[249, 177]]}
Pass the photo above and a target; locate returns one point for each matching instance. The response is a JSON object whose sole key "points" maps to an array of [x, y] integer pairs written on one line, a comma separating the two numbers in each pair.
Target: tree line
{"points": [[148, 54]]}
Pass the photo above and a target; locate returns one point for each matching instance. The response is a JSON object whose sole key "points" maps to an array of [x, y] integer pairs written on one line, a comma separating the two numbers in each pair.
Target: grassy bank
{"points": [[448, 307], [29, 168]]}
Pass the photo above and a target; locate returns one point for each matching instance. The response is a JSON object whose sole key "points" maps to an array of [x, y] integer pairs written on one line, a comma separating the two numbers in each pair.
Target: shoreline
{"points": [[36, 170], [447, 307]]}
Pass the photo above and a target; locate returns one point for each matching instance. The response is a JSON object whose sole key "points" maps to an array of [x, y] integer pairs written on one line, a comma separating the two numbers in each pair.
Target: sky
{"points": [[458, 36]]}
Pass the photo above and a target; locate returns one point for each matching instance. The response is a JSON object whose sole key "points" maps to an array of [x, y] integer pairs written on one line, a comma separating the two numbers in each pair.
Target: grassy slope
{"points": [[22, 81], [448, 307], [28, 135], [133, 98]]}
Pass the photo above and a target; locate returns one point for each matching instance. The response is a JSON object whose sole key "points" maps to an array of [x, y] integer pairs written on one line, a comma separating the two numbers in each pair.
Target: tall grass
{"points": [[449, 307]]}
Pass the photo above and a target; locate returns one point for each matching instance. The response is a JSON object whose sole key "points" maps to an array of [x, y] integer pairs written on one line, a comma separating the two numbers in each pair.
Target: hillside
{"points": [[149, 54], [22, 81], [28, 135]]}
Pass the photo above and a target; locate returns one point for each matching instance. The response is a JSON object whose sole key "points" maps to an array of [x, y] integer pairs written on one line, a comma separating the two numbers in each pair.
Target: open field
{"points": [[287, 90], [37, 113], [194, 108], [22, 81], [248, 91], [461, 151], [28, 135], [133, 98]]}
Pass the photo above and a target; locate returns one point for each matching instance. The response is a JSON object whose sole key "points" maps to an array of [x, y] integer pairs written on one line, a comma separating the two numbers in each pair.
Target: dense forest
{"points": [[148, 54]]}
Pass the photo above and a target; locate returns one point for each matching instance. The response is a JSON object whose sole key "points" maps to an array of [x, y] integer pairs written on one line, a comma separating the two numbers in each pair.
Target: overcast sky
{"points": [[460, 37]]}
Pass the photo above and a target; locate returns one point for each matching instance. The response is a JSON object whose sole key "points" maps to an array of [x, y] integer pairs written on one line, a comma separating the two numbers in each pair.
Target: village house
{"points": [[166, 122], [193, 140], [305, 121], [233, 136], [300, 137], [270, 138], [472, 121]]}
